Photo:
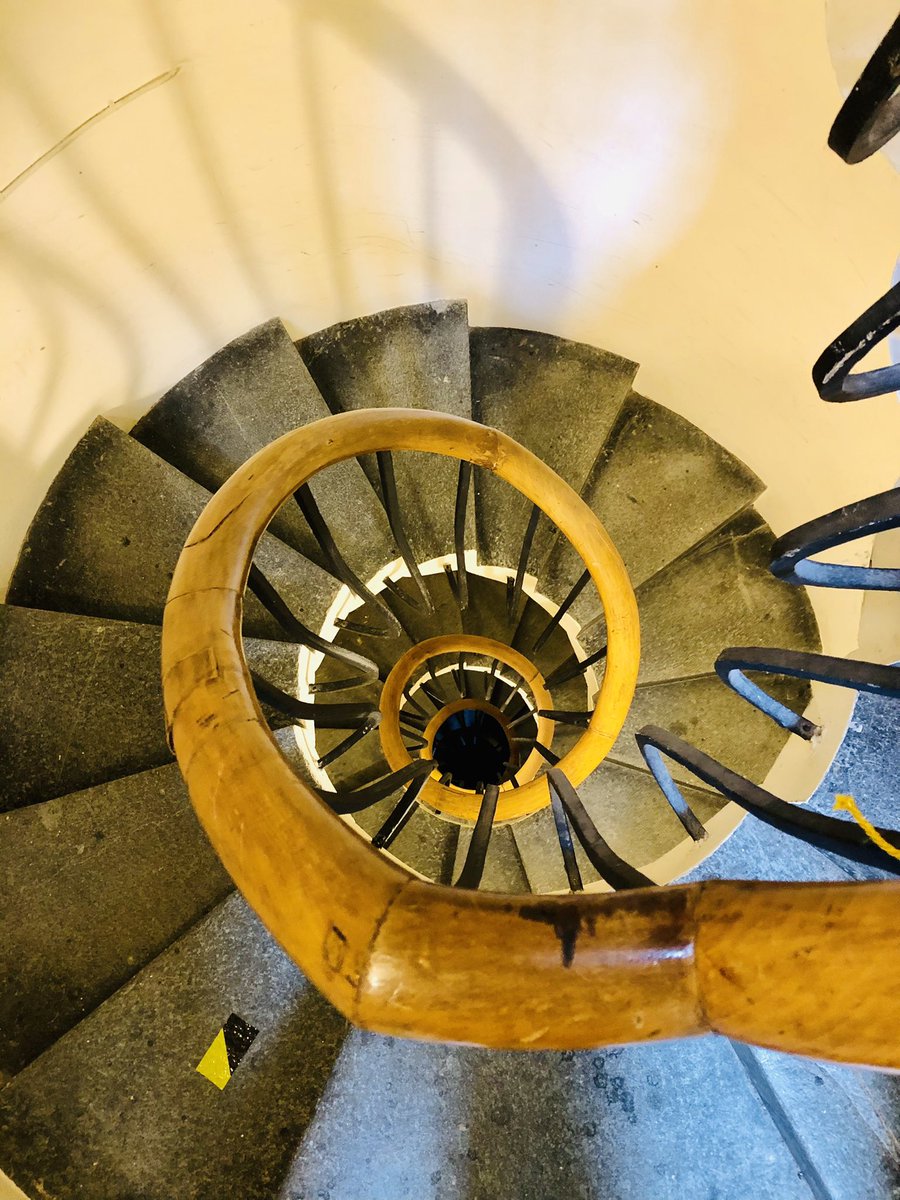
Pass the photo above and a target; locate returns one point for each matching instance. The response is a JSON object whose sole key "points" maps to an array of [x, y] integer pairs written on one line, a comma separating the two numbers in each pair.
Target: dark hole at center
{"points": [[472, 747]]}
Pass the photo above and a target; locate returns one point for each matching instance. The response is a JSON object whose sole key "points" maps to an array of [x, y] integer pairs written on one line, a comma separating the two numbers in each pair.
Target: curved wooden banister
{"points": [[800, 967]]}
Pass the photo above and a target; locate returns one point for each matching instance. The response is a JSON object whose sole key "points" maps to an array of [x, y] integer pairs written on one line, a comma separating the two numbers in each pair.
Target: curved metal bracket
{"points": [[827, 833], [831, 370], [791, 553], [841, 672]]}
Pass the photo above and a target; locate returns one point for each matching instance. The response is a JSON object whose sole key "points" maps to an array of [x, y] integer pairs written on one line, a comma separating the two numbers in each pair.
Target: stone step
{"points": [[669, 1120], [556, 397], [660, 485], [92, 886], [108, 534], [413, 357], [713, 718], [116, 1107], [246, 395], [719, 594], [81, 702]]}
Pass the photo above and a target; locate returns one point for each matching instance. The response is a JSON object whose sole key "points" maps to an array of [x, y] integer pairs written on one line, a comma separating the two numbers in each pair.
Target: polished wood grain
{"points": [[807, 968]]}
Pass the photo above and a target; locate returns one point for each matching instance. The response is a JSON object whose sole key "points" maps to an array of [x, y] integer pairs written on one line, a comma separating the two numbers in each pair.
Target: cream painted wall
{"points": [[650, 177]]}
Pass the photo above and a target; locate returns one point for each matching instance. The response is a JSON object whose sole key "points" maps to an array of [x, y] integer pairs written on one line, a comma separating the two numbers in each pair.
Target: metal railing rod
{"points": [[339, 566], [577, 589], [395, 520], [459, 532], [272, 602], [371, 722], [572, 667], [326, 716], [524, 555], [838, 836], [362, 798], [564, 834], [619, 874], [473, 868], [399, 815]]}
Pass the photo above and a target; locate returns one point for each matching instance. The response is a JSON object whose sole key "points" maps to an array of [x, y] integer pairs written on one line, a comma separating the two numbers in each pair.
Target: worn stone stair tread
{"points": [[486, 615], [413, 357], [92, 886], [720, 594], [519, 376], [670, 1120], [426, 843], [244, 396], [660, 485], [116, 1107], [503, 869], [858, 1158], [713, 718], [420, 624], [108, 534], [82, 700]]}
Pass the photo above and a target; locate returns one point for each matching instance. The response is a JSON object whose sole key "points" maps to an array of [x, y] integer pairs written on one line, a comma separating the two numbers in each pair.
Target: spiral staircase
{"points": [[428, 649]]}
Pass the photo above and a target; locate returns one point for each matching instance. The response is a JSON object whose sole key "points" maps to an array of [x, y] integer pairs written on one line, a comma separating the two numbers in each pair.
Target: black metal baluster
{"points": [[552, 623], [473, 867], [339, 566], [372, 722], [572, 667], [618, 873], [395, 520], [362, 798], [838, 836], [276, 607], [413, 719], [524, 555], [564, 833], [581, 719], [459, 533], [328, 716], [399, 815], [831, 372], [412, 702], [394, 589], [361, 628]]}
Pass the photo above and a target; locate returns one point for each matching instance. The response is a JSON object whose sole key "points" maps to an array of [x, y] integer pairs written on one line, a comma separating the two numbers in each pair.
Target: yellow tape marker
{"points": [[214, 1063], [229, 1046], [848, 804]]}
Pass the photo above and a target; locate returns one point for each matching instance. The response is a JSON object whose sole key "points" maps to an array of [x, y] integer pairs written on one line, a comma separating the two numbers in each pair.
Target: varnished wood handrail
{"points": [[809, 968]]}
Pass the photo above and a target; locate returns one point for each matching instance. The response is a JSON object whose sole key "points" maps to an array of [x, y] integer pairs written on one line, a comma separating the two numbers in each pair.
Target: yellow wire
{"points": [[848, 804]]}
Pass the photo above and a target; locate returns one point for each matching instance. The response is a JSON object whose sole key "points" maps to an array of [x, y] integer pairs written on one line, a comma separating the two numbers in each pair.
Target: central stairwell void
{"points": [[509, 565]]}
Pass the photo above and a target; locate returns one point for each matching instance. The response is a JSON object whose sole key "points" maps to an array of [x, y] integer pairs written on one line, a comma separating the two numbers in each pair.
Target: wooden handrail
{"points": [[809, 968]]}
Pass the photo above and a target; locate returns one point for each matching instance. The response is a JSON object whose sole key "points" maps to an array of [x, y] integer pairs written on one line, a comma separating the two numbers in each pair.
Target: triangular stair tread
{"points": [[715, 719], [660, 485], [559, 399], [720, 594], [126, 1078], [82, 700], [92, 886], [414, 357], [108, 534], [661, 1121], [244, 396]]}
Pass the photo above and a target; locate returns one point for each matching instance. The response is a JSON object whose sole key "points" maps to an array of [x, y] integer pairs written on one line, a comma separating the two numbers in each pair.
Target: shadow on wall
{"points": [[535, 242], [446, 186]]}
